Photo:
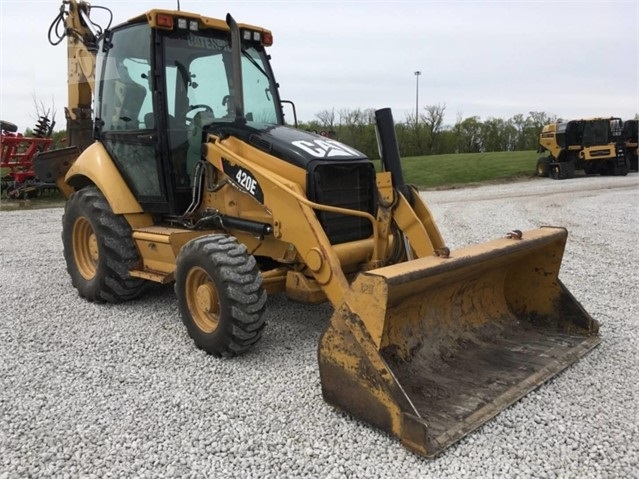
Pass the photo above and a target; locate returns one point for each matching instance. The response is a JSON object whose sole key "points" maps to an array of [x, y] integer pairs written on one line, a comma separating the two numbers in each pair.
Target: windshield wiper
{"points": [[254, 63]]}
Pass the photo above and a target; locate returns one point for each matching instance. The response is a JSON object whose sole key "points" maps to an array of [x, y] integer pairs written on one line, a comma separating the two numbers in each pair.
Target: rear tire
{"points": [[99, 249], [563, 170], [566, 170], [620, 170], [606, 168], [220, 295]]}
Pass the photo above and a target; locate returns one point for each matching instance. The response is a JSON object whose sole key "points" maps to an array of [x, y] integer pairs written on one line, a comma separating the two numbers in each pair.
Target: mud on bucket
{"points": [[430, 349]]}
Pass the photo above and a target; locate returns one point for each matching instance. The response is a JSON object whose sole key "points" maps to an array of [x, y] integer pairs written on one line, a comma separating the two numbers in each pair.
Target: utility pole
{"points": [[417, 73]]}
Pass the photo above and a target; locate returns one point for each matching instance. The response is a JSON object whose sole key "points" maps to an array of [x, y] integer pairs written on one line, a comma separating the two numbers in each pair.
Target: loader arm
{"points": [[431, 347], [294, 220]]}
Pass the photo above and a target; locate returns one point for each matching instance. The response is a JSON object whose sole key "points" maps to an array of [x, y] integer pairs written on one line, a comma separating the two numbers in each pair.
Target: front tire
{"points": [[99, 249], [220, 295], [543, 167]]}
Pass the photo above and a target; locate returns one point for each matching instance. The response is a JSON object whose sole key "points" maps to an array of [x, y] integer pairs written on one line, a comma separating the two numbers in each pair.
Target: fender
{"points": [[96, 165]]}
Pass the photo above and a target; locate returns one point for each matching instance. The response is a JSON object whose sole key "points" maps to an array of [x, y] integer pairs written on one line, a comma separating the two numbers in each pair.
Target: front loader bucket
{"points": [[430, 349]]}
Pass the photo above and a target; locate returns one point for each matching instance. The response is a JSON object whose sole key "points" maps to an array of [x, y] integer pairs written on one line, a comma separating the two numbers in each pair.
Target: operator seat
{"points": [[129, 99]]}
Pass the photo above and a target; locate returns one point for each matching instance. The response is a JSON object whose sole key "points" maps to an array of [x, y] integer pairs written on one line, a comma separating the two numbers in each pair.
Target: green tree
{"points": [[356, 127], [519, 123], [469, 135], [433, 121], [535, 122], [327, 119]]}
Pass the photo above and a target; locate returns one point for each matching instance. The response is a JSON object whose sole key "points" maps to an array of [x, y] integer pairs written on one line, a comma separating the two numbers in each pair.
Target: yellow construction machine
{"points": [[183, 171], [630, 136], [594, 145]]}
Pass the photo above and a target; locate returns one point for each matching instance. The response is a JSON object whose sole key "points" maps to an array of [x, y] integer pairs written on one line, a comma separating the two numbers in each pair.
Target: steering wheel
{"points": [[191, 108]]}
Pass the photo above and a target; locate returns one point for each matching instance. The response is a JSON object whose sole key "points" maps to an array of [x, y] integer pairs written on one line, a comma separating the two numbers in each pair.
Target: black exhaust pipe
{"points": [[389, 150], [236, 55]]}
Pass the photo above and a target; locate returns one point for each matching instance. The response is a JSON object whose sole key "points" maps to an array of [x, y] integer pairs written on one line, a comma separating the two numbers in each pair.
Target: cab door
{"points": [[125, 120]]}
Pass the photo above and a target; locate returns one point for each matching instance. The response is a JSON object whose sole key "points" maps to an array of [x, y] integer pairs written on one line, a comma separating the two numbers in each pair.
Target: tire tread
{"points": [[240, 284]]}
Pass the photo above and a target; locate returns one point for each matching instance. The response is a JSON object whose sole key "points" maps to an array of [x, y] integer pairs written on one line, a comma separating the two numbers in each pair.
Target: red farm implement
{"points": [[19, 180]]}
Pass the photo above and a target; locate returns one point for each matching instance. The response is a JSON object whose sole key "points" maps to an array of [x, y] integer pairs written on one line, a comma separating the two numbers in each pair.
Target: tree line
{"points": [[424, 135], [428, 135]]}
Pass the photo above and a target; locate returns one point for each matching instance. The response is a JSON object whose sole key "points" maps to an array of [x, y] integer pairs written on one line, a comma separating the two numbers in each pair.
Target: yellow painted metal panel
{"points": [[95, 164]]}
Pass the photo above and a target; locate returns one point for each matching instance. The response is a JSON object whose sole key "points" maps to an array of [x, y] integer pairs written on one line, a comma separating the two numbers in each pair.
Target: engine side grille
{"points": [[350, 186]]}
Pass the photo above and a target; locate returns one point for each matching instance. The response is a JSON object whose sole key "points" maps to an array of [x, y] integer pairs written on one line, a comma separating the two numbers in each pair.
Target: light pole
{"points": [[417, 73]]}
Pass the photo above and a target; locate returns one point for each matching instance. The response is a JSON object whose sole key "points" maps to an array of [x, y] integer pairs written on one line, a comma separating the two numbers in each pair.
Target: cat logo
{"points": [[325, 148]]}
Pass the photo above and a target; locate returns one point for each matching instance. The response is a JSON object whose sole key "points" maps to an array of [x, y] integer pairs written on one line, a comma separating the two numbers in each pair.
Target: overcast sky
{"points": [[490, 59]]}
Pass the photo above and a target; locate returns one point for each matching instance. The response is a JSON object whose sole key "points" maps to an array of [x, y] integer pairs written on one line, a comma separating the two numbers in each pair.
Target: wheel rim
{"points": [[202, 299], [85, 248], [540, 169]]}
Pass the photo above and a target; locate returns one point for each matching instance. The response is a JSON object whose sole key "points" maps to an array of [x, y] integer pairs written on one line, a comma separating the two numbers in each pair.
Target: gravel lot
{"points": [[120, 391]]}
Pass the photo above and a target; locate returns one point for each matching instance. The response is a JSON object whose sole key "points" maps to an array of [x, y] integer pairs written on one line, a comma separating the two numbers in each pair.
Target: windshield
{"points": [[199, 79]]}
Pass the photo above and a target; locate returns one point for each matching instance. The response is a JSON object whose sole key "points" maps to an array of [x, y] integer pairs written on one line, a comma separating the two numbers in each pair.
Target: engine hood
{"points": [[294, 146]]}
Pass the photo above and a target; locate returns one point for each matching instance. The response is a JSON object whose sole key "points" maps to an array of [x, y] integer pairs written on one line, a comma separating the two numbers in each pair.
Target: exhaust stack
{"points": [[238, 86]]}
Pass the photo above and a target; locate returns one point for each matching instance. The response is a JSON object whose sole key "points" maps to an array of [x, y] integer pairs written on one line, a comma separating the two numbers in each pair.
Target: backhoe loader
{"points": [[185, 172]]}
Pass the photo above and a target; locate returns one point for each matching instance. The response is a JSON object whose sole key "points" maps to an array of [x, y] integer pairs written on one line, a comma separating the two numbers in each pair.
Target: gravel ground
{"points": [[120, 391]]}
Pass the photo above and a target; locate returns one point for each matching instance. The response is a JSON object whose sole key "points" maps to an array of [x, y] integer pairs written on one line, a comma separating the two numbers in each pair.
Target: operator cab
{"points": [[161, 79]]}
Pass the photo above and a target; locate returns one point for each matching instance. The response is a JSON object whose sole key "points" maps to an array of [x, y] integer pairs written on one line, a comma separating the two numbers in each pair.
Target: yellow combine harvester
{"points": [[594, 145], [184, 172]]}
